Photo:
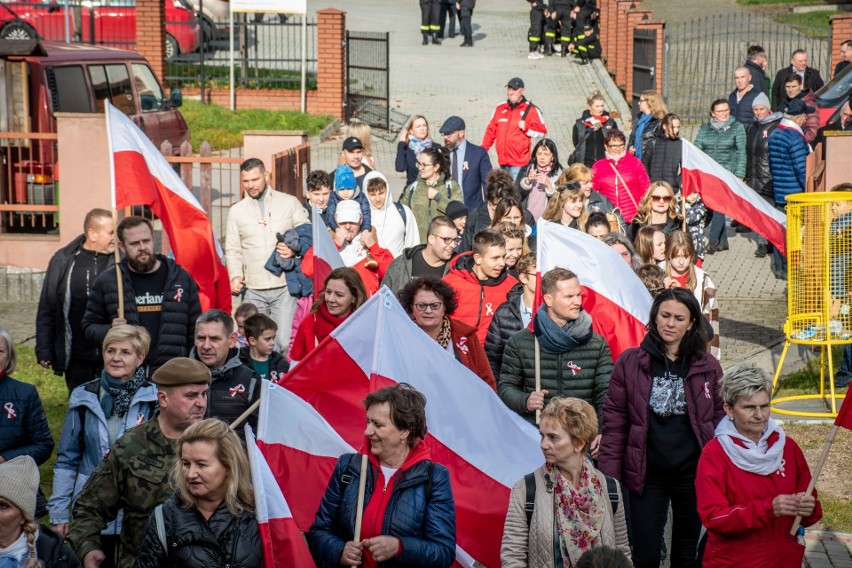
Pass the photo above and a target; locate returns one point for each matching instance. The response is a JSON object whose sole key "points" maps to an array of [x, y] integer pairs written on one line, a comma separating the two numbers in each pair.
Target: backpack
{"points": [[529, 505]]}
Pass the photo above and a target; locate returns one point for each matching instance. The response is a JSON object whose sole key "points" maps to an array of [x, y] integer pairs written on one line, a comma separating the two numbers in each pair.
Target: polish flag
{"points": [[146, 178], [283, 543], [612, 293], [723, 192], [844, 415], [485, 446], [326, 257]]}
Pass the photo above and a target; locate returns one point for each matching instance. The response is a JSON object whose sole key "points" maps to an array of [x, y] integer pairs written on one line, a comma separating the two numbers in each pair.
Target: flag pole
{"points": [[683, 208], [817, 470], [537, 377], [362, 489], [118, 277], [242, 417]]}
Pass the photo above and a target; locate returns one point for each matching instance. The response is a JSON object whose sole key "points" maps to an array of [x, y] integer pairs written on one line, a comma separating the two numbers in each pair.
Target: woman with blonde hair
{"points": [[658, 209], [590, 130], [572, 506], [363, 132], [412, 140], [516, 244], [652, 109], [594, 201], [567, 208], [210, 520]]}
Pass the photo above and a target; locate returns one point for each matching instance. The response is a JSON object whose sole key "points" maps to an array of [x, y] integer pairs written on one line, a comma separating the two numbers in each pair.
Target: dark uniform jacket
{"points": [[233, 389], [23, 424], [193, 542], [52, 550], [181, 307], [135, 477]]}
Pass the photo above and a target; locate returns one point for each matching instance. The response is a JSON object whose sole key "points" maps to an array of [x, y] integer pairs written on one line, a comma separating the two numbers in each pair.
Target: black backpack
{"points": [[529, 505]]}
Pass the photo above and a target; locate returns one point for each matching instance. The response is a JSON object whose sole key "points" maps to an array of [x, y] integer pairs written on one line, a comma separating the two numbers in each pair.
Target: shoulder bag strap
{"points": [[621, 179], [529, 504], [161, 527]]}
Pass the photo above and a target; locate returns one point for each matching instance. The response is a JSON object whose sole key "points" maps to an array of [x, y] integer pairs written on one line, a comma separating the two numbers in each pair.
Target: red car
{"points": [[113, 22]]}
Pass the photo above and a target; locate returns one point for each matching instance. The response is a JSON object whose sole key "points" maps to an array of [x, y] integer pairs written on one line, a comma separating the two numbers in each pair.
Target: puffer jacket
{"points": [[248, 243], [583, 372], [649, 133], [630, 172], [532, 546], [85, 442], [416, 197], [477, 300], [506, 323], [623, 453], [400, 270], [427, 529], [662, 160], [53, 340], [788, 158], [52, 550], [726, 145], [588, 142], [23, 423], [233, 389], [181, 308], [758, 177], [223, 540]]}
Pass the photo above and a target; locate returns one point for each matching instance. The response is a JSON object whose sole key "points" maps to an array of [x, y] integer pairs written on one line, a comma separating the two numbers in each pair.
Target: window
{"points": [[112, 82], [68, 89], [150, 92]]}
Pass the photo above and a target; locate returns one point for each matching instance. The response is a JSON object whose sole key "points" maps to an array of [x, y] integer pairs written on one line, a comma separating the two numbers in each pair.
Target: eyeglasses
{"points": [[422, 165], [424, 307], [663, 198], [448, 240], [616, 146], [722, 110]]}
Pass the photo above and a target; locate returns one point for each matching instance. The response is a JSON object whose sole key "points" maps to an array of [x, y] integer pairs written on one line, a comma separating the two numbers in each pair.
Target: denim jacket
{"points": [[85, 442]]}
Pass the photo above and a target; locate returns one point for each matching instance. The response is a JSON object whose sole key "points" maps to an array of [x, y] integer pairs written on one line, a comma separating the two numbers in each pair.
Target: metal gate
{"points": [[701, 55], [368, 78], [644, 71]]}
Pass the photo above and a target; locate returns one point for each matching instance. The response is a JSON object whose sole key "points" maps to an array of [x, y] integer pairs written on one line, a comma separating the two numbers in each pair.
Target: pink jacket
{"points": [[632, 173]]}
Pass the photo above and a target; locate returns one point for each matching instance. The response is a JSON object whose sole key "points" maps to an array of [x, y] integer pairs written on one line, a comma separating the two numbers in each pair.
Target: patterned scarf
{"points": [[418, 146], [580, 512], [444, 336], [118, 395]]}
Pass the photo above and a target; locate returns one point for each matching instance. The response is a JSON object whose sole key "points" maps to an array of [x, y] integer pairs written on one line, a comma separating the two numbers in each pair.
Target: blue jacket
{"points": [[23, 424], [788, 154], [427, 530], [473, 178], [85, 442]]}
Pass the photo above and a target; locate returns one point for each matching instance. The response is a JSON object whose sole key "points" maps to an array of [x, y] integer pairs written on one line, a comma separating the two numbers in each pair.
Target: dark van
{"points": [[38, 79]]}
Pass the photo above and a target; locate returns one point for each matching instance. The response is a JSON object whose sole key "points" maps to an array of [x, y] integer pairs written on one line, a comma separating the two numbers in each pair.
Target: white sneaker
{"points": [[535, 55]]}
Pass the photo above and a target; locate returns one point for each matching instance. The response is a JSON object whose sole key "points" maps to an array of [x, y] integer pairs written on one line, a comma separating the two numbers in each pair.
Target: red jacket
{"points": [[477, 300], [513, 144], [313, 329], [623, 452], [736, 508], [370, 275], [610, 186], [469, 351]]}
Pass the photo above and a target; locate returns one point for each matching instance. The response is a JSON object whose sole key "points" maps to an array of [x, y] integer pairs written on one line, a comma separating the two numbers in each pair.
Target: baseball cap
{"points": [[452, 124], [352, 143], [797, 107], [515, 83]]}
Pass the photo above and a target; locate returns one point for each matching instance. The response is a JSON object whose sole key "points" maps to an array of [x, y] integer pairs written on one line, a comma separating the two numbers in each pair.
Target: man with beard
{"points": [[159, 295], [469, 163]]}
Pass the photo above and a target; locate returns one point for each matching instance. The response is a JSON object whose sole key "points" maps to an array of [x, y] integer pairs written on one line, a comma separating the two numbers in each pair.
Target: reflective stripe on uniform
{"points": [[534, 38]]}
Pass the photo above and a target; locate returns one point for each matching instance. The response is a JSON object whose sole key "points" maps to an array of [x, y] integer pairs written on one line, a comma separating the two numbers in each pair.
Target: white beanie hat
{"points": [[19, 480], [348, 211]]}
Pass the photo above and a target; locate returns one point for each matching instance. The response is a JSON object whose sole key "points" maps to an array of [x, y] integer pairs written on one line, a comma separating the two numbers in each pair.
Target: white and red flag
{"points": [[326, 257], [722, 191], [612, 293], [485, 446], [141, 175], [283, 543]]}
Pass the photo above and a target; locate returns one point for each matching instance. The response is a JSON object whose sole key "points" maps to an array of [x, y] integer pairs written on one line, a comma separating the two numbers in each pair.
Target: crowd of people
{"points": [[149, 474]]}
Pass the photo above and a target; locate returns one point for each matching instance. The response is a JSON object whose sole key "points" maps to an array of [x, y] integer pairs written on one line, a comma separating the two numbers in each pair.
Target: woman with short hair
{"points": [[210, 520], [751, 481], [620, 176]]}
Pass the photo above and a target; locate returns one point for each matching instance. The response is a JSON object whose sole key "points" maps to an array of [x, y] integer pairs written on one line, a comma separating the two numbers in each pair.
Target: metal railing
{"points": [[267, 55]]}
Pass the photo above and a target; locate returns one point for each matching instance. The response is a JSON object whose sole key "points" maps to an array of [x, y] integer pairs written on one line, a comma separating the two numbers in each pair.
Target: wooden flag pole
{"points": [[683, 209], [812, 485], [242, 417], [537, 377], [118, 277], [362, 488]]}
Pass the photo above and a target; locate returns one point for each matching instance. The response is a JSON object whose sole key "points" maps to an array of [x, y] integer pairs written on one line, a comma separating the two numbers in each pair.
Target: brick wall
{"points": [[331, 62], [151, 34], [841, 30]]}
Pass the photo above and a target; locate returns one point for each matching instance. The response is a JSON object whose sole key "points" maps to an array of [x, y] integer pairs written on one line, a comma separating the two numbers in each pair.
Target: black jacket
{"points": [[181, 308], [53, 342], [222, 540], [278, 365], [233, 389], [661, 157], [52, 550], [588, 142], [758, 177], [758, 78], [649, 133], [24, 430], [813, 82], [506, 323]]}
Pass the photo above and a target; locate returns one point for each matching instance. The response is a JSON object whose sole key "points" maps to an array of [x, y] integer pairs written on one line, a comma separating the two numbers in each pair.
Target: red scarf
{"points": [[376, 508], [602, 119], [325, 323]]}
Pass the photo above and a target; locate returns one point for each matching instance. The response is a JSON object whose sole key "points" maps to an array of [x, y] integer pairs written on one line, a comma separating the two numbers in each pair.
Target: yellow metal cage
{"points": [[819, 286]]}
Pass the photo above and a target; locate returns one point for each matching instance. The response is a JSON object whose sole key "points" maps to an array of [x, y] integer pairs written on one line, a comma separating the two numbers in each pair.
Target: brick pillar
{"points": [[606, 35], [151, 34], [623, 35], [841, 30], [331, 62]]}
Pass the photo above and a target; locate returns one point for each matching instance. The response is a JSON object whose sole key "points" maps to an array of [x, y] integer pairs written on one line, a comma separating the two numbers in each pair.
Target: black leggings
{"points": [[648, 520]]}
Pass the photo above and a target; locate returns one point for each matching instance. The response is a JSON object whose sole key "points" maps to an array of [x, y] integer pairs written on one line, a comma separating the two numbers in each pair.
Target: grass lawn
{"points": [[809, 23], [835, 492], [222, 127], [780, 2]]}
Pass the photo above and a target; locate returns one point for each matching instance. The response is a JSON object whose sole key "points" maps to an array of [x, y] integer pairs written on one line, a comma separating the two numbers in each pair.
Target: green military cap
{"points": [[181, 371]]}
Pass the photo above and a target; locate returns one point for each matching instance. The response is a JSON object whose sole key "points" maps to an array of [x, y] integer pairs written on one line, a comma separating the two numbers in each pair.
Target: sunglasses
{"points": [[662, 198]]}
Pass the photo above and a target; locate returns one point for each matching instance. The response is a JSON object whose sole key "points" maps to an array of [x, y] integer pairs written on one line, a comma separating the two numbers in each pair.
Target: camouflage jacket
{"points": [[134, 477]]}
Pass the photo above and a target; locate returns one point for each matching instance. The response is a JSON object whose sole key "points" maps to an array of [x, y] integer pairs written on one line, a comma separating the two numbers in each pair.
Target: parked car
{"points": [[46, 78], [103, 22], [833, 94]]}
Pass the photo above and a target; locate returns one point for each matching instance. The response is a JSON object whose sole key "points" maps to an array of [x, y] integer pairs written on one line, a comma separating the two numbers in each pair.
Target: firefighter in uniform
{"points": [[539, 14], [429, 25]]}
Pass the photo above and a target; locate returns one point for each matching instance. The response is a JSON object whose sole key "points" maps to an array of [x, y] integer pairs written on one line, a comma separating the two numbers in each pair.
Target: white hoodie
{"points": [[394, 234]]}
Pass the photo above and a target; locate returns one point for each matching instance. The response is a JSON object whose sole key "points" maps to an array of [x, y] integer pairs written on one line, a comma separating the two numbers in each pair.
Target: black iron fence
{"points": [[368, 78], [267, 55], [701, 55]]}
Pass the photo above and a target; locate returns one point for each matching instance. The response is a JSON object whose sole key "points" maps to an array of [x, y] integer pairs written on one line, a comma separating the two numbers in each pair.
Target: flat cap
{"points": [[797, 107], [181, 371], [451, 125]]}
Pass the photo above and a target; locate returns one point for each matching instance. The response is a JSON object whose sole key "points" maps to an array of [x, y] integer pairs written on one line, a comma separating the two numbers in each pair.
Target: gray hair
{"points": [[214, 316], [12, 363], [744, 382]]}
